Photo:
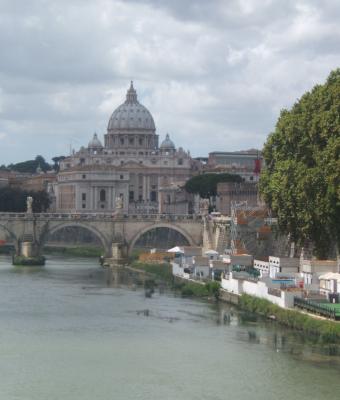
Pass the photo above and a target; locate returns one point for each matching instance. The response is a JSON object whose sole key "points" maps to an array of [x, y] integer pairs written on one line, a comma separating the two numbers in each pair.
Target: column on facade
{"points": [[95, 189], [148, 187], [144, 188]]}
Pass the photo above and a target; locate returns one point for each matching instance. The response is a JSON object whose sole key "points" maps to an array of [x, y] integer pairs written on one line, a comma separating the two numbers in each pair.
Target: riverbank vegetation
{"points": [[28, 261], [209, 289], [163, 272], [75, 251], [324, 331]]}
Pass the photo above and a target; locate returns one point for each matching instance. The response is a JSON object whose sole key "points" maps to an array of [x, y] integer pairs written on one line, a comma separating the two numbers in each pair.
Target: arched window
{"points": [[102, 195]]}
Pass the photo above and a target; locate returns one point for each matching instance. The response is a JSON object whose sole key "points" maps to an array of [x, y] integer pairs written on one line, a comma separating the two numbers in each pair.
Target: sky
{"points": [[214, 73]]}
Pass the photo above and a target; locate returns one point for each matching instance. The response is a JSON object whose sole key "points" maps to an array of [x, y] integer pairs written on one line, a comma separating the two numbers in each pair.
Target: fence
{"points": [[324, 310]]}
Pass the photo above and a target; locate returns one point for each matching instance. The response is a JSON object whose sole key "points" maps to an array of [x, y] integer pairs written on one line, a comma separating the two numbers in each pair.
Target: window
{"points": [[141, 142], [83, 205], [102, 195], [153, 196], [131, 141], [122, 141], [131, 195], [180, 161], [84, 176], [121, 176], [83, 196]]}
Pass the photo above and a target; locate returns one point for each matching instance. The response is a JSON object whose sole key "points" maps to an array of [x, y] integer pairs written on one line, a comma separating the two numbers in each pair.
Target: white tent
{"points": [[211, 253], [176, 249]]}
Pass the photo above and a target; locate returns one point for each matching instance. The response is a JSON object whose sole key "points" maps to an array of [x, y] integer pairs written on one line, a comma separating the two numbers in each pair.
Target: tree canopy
{"points": [[14, 200], [206, 184], [301, 180], [30, 166]]}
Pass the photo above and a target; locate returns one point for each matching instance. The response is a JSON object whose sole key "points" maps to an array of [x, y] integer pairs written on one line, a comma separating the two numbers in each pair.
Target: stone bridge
{"points": [[117, 233]]}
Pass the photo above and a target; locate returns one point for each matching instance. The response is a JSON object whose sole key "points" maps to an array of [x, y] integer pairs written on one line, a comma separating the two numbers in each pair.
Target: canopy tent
{"points": [[176, 249]]}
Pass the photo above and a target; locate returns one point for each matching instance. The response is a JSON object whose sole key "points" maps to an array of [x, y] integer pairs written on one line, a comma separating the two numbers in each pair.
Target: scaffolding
{"points": [[250, 229]]}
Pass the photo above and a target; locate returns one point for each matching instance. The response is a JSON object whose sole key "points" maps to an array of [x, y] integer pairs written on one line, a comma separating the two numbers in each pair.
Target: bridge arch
{"points": [[139, 234], [106, 243], [12, 235]]}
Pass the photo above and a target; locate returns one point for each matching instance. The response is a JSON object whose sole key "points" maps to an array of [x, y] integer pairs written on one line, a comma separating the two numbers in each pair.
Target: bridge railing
{"points": [[100, 216]]}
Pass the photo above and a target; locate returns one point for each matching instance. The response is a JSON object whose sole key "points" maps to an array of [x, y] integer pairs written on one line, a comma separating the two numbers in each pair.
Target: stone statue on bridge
{"points": [[29, 203], [204, 206], [119, 203]]}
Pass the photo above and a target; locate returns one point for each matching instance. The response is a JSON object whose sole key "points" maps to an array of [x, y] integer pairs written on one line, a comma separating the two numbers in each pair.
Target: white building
{"points": [[330, 283], [262, 266], [311, 270], [283, 265], [130, 166]]}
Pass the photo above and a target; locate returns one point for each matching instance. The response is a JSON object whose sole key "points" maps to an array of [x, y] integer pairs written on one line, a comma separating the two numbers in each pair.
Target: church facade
{"points": [[130, 170]]}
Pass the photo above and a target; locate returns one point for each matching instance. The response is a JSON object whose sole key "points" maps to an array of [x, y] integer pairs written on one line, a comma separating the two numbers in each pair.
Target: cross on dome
{"points": [[131, 95]]}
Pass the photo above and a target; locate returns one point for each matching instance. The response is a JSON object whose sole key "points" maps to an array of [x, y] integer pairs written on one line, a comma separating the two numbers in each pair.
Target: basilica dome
{"points": [[131, 116], [95, 143], [167, 143]]}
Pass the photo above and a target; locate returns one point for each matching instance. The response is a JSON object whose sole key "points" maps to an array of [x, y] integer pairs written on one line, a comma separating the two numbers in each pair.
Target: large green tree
{"points": [[14, 200], [206, 184], [30, 166], [301, 180]]}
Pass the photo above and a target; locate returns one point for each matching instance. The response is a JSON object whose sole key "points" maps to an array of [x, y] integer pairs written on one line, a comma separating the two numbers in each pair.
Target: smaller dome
{"points": [[95, 143], [167, 143]]}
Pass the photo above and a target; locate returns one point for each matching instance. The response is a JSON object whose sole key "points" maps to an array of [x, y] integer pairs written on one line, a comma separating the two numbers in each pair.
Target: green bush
{"points": [[81, 251], [162, 271], [28, 261]]}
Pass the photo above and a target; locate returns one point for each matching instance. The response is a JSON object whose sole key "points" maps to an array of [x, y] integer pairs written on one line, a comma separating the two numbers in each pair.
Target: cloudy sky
{"points": [[214, 73]]}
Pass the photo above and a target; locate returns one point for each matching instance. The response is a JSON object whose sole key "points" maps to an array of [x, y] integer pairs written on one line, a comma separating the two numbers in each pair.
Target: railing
{"points": [[323, 310], [100, 216]]}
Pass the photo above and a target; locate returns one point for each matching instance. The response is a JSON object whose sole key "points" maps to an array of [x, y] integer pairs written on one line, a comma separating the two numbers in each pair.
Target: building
{"points": [[311, 270], [231, 192], [247, 164], [129, 169], [262, 266], [283, 265]]}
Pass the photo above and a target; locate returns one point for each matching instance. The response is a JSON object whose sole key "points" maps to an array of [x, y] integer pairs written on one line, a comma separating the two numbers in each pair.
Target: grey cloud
{"points": [[215, 74]]}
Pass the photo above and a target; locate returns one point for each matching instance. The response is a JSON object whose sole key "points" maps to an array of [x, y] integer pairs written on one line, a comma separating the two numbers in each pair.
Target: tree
{"points": [[56, 161], [206, 184], [30, 166], [301, 180], [14, 200]]}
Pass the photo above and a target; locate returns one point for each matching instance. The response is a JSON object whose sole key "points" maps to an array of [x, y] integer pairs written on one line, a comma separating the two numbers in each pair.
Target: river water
{"points": [[67, 331]]}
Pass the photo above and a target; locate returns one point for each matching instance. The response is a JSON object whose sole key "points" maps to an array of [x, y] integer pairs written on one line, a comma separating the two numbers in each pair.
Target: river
{"points": [[68, 332]]}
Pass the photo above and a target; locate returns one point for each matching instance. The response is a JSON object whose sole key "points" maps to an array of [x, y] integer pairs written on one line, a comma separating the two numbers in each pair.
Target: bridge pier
{"points": [[28, 253], [119, 254]]}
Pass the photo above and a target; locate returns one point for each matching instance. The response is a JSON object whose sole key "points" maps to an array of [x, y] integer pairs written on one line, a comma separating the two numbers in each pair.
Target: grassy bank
{"points": [[161, 271], [197, 289], [81, 251], [322, 330], [28, 261]]}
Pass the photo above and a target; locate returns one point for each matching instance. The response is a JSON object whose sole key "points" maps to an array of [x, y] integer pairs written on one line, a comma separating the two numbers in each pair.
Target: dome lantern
{"points": [[95, 143], [167, 143]]}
